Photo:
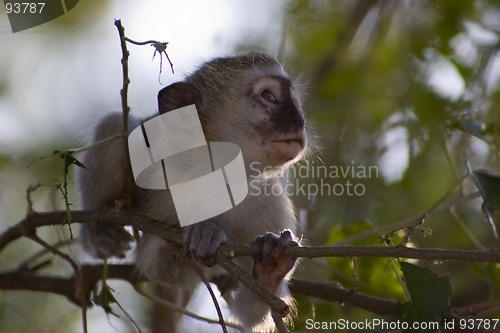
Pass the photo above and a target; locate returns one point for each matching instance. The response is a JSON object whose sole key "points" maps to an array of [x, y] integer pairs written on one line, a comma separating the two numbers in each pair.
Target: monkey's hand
{"points": [[105, 240], [202, 240], [270, 265]]}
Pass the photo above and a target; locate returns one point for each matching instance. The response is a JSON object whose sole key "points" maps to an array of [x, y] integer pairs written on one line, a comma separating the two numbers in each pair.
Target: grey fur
{"points": [[228, 112]]}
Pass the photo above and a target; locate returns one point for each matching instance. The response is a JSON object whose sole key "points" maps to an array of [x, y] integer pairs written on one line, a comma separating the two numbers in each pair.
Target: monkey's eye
{"points": [[268, 96]]}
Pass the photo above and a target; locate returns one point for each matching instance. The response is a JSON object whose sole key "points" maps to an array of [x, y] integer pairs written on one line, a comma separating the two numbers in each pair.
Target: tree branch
{"points": [[334, 292], [492, 255], [36, 220], [91, 274]]}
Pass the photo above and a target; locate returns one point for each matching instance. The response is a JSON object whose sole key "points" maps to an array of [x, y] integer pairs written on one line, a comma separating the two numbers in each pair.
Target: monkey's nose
{"points": [[298, 121]]}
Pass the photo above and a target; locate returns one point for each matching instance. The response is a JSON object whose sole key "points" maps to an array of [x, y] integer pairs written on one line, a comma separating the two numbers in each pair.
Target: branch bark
{"points": [[328, 291], [334, 292], [492, 255], [66, 287], [36, 220], [91, 274]]}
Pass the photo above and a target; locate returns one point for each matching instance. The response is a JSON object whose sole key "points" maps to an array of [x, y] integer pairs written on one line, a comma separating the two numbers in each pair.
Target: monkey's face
{"points": [[277, 123], [248, 100]]}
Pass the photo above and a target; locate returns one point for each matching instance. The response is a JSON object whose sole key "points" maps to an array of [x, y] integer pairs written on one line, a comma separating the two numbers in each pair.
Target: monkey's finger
{"points": [[187, 240], [209, 244], [203, 240], [270, 247], [256, 249], [285, 240], [193, 239]]}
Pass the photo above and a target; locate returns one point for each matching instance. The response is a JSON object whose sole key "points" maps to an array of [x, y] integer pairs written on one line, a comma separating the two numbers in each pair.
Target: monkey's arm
{"points": [[101, 183]]}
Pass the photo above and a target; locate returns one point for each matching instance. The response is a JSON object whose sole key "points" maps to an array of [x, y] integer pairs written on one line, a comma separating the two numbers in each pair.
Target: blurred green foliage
{"points": [[412, 88], [408, 87]]}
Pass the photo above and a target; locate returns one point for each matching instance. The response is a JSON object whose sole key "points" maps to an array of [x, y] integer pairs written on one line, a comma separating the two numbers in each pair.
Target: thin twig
{"points": [[160, 47], [32, 188], [26, 264], [461, 224], [141, 291], [80, 149], [205, 281], [125, 112], [130, 318], [407, 222], [97, 143], [79, 290], [280, 324]]}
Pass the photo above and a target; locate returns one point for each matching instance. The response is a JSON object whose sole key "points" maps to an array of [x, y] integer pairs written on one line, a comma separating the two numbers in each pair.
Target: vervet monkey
{"points": [[245, 99]]}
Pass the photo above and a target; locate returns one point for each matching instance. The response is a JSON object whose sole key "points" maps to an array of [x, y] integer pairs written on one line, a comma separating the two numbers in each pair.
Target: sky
{"points": [[60, 82]]}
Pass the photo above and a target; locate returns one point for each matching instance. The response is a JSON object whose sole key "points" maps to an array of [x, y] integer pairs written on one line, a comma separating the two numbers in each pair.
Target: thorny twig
{"points": [[160, 48]]}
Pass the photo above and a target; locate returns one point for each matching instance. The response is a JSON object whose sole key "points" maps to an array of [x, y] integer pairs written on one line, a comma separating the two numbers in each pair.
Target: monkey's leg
{"points": [[105, 240], [163, 318], [167, 266], [102, 184]]}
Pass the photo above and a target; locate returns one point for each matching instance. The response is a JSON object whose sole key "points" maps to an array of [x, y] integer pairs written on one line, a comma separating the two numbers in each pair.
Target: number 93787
{"points": [[24, 7]]}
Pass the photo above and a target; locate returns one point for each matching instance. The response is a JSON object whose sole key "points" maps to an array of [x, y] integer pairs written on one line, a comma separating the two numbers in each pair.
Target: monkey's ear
{"points": [[177, 95]]}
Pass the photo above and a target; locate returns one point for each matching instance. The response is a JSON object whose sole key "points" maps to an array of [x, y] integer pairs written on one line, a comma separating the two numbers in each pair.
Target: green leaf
{"points": [[430, 295], [488, 184], [69, 159], [105, 298]]}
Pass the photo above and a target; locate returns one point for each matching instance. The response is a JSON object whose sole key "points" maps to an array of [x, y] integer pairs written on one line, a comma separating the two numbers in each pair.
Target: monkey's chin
{"points": [[287, 150], [289, 146]]}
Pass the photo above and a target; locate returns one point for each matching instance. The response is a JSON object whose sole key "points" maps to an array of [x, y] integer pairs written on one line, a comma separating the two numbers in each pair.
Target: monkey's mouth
{"points": [[290, 145], [297, 138]]}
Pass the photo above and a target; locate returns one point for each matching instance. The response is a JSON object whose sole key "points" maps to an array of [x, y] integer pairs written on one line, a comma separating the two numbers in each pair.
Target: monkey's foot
{"points": [[106, 240], [270, 264], [202, 241]]}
